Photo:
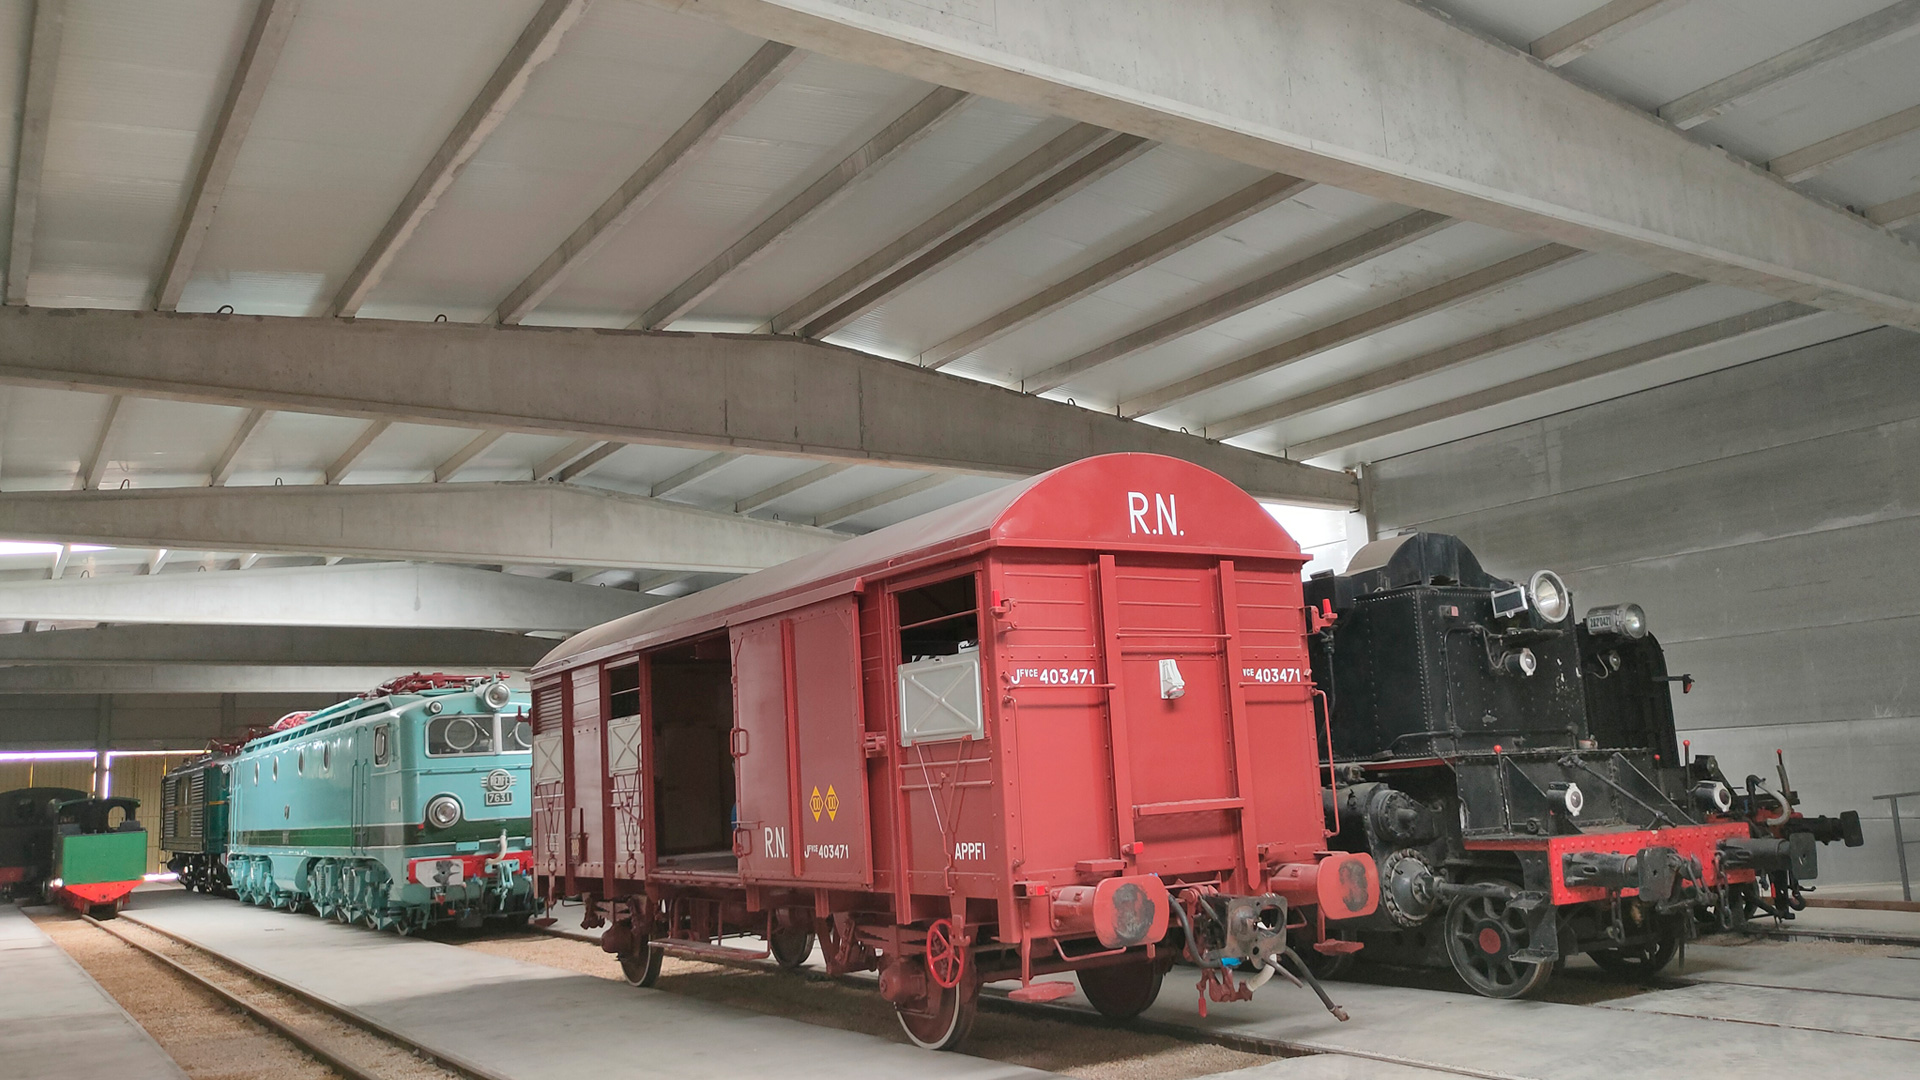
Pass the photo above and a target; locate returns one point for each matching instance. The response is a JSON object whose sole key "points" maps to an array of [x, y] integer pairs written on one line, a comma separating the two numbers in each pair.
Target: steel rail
{"points": [[271, 1022], [459, 1066]]}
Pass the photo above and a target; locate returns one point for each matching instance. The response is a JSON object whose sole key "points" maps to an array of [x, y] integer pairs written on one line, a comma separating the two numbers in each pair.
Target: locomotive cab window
{"points": [[454, 735], [693, 782], [939, 672]]}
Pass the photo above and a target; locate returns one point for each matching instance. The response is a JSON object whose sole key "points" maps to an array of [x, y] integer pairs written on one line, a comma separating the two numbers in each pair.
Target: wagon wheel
{"points": [[642, 968], [942, 1020], [1483, 934], [791, 946], [946, 957], [1122, 991], [1641, 961]]}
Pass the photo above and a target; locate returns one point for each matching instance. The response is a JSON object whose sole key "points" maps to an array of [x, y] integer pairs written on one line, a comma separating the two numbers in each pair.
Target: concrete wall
{"points": [[141, 721], [1768, 519]]}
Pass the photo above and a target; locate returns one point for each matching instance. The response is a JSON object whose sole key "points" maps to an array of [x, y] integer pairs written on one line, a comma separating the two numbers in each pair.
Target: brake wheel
{"points": [[946, 957]]}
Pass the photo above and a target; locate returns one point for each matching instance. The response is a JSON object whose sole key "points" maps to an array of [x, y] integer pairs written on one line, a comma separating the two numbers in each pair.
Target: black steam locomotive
{"points": [[1515, 774]]}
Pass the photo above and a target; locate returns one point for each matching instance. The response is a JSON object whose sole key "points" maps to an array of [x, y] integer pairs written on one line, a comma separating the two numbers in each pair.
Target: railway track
{"points": [[310, 1022]]}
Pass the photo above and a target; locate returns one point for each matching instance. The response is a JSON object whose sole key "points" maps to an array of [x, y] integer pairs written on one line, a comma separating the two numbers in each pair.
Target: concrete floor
{"points": [[1735, 1009], [472, 1009], [56, 1023], [1753, 1008]]}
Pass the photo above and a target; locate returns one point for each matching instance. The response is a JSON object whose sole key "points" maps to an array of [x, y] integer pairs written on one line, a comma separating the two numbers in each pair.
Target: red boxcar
{"points": [[1066, 725]]}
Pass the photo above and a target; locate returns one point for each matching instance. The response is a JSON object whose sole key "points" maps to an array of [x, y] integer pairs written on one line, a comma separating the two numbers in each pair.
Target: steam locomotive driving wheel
{"points": [[1484, 932]]}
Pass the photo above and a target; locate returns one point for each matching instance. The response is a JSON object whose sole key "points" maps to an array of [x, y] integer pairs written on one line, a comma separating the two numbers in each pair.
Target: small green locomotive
{"points": [[63, 845], [401, 809]]}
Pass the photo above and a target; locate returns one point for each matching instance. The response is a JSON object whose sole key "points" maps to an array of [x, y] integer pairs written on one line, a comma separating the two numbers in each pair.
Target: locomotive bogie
{"points": [[1037, 731]]}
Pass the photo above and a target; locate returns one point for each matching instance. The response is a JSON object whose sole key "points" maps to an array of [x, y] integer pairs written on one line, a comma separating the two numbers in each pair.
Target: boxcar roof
{"points": [[1112, 502]]}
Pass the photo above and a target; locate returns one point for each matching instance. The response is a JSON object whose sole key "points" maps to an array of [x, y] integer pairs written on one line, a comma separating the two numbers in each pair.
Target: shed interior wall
{"points": [[1765, 517]]}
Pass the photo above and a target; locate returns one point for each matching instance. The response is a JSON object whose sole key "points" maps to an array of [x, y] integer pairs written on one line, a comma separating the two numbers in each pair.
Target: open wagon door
{"points": [[798, 747]]}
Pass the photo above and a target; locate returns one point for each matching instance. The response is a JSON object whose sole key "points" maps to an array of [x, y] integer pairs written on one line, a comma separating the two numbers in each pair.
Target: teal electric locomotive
{"points": [[402, 809]]}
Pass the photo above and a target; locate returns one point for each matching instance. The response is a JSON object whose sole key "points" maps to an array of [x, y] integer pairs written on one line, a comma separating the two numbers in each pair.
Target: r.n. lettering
{"points": [[1166, 519]]}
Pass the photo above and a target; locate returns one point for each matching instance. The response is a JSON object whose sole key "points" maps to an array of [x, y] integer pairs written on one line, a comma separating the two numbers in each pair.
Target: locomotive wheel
{"points": [[1483, 933], [1640, 961], [946, 1017], [1122, 991], [642, 969], [791, 946]]}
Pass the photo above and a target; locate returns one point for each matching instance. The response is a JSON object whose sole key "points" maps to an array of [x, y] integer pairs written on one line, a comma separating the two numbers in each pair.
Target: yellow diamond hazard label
{"points": [[815, 802], [833, 803]]}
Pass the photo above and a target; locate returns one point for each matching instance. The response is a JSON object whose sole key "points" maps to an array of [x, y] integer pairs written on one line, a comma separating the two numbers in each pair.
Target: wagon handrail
{"points": [[1899, 795]]}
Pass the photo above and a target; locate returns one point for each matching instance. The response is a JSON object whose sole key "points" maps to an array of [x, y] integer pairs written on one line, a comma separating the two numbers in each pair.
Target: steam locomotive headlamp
{"points": [[1568, 797], [1519, 662], [1713, 795], [1626, 620], [496, 695], [1548, 595], [443, 811]]}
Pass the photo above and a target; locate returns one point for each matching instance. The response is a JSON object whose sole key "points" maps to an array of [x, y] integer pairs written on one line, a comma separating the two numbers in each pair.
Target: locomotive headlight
{"points": [[443, 811], [1713, 795], [1519, 662], [1548, 594], [1568, 796], [1626, 620], [496, 695]]}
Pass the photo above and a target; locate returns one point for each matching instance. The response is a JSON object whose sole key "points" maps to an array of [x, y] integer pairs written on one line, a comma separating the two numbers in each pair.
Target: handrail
{"points": [[1900, 842]]}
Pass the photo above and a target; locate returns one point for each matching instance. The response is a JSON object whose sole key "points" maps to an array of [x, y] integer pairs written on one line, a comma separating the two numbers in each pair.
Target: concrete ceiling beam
{"points": [[305, 646], [1810, 161], [1177, 237], [729, 393], [1071, 161], [259, 55], [1738, 326], [1447, 294], [1888, 26], [535, 46], [95, 467], [1385, 98], [907, 129], [786, 487], [203, 678], [419, 596], [1455, 355], [856, 507], [512, 523], [1565, 44], [760, 74], [1244, 297], [691, 473], [351, 456], [465, 456], [30, 159], [250, 425]]}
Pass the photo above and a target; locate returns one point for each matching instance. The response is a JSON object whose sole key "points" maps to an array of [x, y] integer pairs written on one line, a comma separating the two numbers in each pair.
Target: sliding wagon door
{"points": [[798, 747]]}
